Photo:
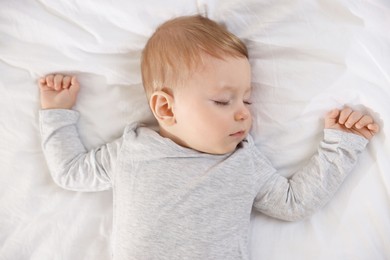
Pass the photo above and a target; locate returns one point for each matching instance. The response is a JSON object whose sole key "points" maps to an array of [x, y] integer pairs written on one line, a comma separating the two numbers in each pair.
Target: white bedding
{"points": [[308, 56]]}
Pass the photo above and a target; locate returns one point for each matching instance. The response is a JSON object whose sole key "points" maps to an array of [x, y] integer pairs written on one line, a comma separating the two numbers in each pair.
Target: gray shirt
{"points": [[171, 202]]}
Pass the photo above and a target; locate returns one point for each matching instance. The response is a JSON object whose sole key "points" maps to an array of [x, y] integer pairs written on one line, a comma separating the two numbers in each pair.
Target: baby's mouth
{"points": [[238, 134]]}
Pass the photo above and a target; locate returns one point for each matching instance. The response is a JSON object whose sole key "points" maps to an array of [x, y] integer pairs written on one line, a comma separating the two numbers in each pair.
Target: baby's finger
{"points": [[353, 118], [344, 114], [74, 81], [58, 81], [373, 127], [42, 82], [331, 118], [66, 82], [74, 87], [43, 85], [333, 114], [50, 80], [364, 121]]}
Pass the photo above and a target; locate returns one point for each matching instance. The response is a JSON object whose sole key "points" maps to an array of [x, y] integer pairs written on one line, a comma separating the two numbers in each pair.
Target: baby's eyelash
{"points": [[225, 103], [221, 103]]}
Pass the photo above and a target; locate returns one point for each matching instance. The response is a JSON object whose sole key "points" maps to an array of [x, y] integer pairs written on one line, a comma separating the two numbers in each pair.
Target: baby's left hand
{"points": [[351, 121]]}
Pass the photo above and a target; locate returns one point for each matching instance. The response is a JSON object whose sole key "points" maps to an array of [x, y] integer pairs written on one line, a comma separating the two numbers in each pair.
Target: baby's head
{"points": [[177, 48], [197, 79]]}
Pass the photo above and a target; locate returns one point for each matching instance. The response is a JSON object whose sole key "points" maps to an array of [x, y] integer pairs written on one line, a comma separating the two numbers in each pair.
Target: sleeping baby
{"points": [[186, 191]]}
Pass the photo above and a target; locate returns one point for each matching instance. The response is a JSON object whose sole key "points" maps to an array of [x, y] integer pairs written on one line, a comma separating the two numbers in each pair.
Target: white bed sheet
{"points": [[308, 56]]}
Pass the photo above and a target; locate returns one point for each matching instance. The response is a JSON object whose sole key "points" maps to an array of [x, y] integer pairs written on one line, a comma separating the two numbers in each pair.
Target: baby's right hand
{"points": [[58, 91]]}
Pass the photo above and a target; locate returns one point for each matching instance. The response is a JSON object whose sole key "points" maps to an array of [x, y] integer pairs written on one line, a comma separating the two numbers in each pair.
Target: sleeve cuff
{"points": [[346, 140], [51, 119]]}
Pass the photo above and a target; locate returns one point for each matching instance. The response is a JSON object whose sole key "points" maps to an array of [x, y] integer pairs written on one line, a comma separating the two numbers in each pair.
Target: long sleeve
{"points": [[71, 165], [314, 185]]}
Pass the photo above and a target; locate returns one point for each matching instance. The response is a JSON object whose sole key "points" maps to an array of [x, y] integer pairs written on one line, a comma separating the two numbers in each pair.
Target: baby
{"points": [[187, 190]]}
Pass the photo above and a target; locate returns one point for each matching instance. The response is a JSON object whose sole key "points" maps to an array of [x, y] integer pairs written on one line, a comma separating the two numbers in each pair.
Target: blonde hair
{"points": [[176, 47]]}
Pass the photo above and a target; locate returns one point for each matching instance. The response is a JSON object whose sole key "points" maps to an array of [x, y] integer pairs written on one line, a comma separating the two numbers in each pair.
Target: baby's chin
{"points": [[219, 150]]}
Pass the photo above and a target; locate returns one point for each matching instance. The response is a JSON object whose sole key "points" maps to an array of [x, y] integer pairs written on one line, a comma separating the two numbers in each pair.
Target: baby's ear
{"points": [[161, 104]]}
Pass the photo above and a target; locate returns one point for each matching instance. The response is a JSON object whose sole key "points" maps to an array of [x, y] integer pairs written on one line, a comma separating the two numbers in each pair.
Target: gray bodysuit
{"points": [[171, 202]]}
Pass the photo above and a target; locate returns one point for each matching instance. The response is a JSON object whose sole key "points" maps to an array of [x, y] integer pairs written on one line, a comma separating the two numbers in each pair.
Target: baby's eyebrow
{"points": [[233, 88], [226, 87]]}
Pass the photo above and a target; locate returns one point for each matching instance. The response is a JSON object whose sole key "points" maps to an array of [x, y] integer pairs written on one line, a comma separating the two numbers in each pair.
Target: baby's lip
{"points": [[238, 133]]}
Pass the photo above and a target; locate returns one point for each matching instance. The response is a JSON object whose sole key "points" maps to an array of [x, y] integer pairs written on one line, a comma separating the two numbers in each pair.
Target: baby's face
{"points": [[211, 110]]}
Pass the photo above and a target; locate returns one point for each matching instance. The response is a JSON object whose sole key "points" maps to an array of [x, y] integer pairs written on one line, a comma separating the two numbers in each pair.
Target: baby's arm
{"points": [[71, 165], [314, 185]]}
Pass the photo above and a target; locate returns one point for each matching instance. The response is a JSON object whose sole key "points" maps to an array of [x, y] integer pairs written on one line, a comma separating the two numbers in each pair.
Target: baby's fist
{"points": [[58, 91], [351, 121]]}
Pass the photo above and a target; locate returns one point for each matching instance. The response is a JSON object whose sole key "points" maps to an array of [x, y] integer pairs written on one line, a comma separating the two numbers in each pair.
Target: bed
{"points": [[307, 57]]}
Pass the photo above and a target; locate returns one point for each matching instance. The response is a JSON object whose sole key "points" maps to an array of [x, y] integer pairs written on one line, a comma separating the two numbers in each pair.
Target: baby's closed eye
{"points": [[221, 102]]}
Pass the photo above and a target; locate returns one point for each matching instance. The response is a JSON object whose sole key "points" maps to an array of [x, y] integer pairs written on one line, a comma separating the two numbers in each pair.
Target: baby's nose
{"points": [[242, 114]]}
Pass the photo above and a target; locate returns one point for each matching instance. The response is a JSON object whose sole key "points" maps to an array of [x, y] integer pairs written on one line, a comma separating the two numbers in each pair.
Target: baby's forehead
{"points": [[225, 73], [207, 62]]}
